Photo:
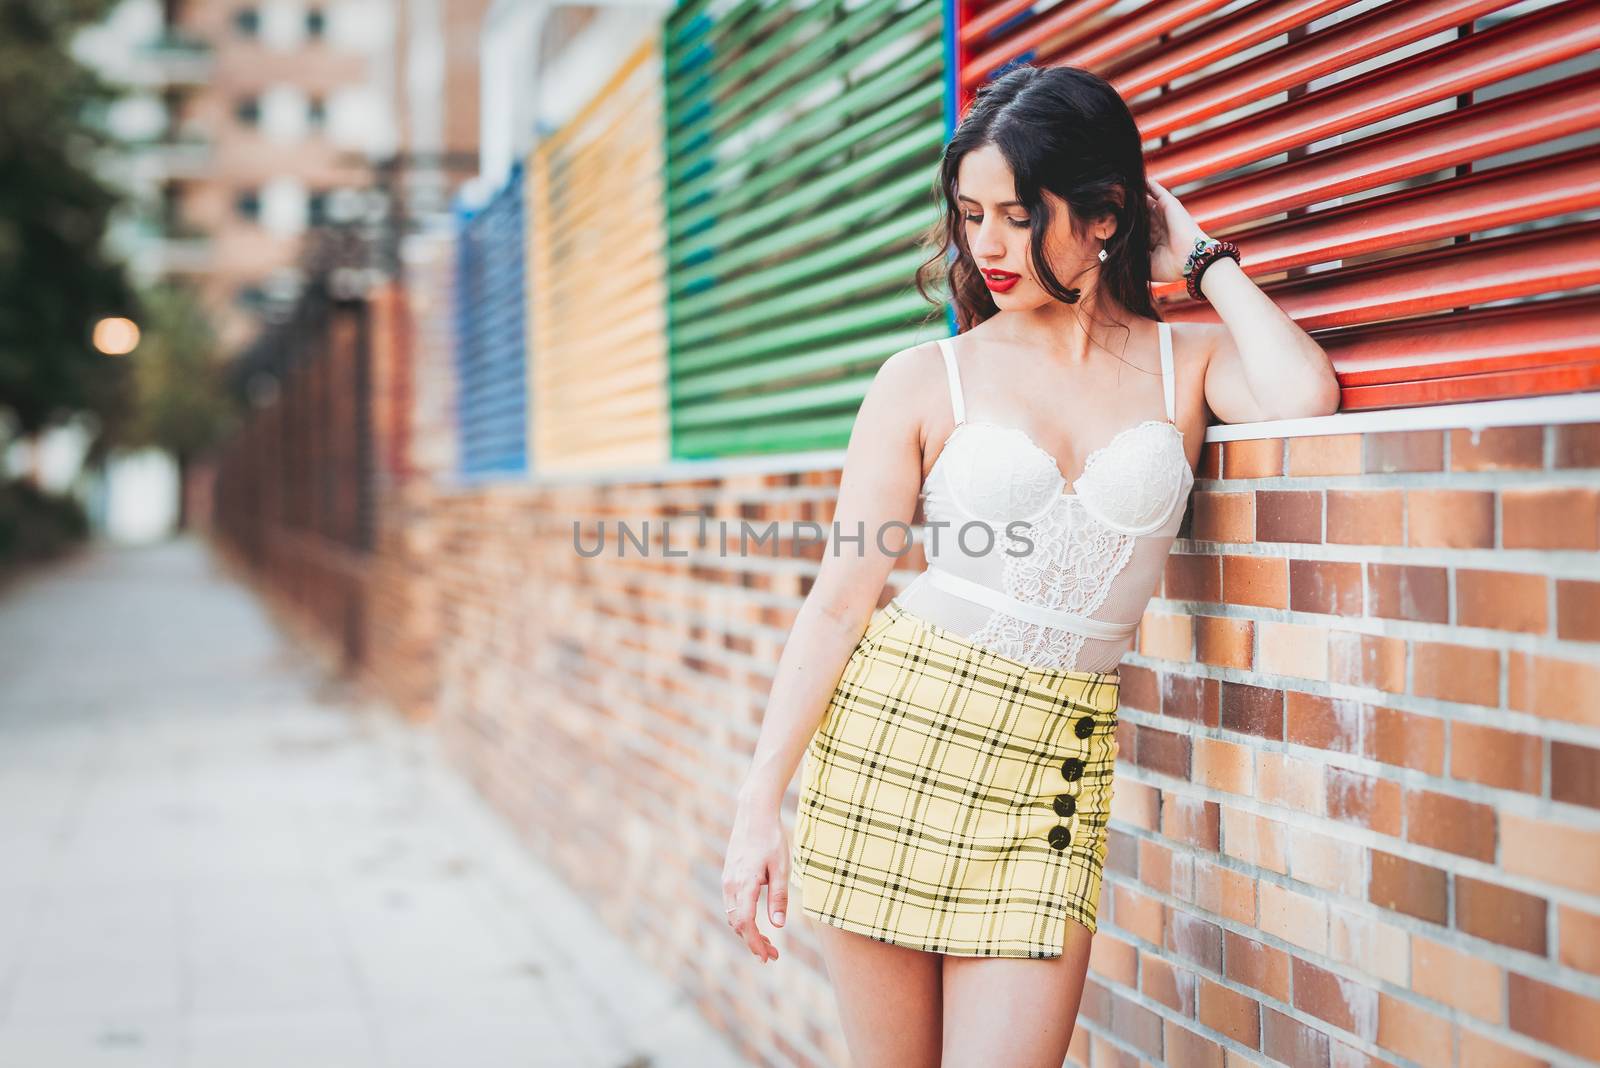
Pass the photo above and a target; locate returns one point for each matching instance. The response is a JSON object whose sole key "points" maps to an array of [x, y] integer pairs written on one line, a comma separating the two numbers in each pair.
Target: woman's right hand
{"points": [[758, 855]]}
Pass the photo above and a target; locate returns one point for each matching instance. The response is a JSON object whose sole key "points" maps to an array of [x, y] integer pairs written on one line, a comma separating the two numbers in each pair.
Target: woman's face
{"points": [[997, 231]]}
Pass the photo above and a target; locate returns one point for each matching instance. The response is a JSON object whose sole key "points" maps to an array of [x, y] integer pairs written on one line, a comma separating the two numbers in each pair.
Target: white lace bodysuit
{"points": [[1073, 600]]}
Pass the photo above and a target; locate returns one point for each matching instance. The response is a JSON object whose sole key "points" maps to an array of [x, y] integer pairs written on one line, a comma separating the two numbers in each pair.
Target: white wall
{"points": [[510, 41], [141, 496], [585, 65], [519, 102]]}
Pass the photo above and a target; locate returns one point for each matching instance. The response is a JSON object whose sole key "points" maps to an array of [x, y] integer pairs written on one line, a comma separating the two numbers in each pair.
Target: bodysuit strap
{"points": [[1167, 385], [956, 404]]}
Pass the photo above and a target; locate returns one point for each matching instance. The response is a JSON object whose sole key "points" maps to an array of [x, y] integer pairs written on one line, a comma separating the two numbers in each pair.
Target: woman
{"points": [[960, 740]]}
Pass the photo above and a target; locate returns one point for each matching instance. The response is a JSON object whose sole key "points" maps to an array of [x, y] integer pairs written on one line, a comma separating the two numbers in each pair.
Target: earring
{"points": [[1102, 254]]}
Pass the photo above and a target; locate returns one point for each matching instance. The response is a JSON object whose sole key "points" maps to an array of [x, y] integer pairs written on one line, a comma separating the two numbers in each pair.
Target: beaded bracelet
{"points": [[1207, 250]]}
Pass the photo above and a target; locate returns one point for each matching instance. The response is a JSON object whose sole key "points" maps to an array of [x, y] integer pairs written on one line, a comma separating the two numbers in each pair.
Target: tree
{"points": [[179, 400], [55, 279]]}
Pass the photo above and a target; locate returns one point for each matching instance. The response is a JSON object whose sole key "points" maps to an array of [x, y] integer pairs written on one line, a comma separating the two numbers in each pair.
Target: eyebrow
{"points": [[1002, 204]]}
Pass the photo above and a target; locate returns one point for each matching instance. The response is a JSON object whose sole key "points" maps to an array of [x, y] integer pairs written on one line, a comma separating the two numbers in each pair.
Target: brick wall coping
{"points": [[1511, 411]]}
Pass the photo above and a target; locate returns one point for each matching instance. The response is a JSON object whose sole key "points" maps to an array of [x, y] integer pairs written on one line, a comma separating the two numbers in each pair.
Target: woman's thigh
{"points": [[889, 999], [1015, 1011]]}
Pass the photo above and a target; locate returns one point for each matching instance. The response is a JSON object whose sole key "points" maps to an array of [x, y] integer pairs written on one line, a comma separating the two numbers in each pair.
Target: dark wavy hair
{"points": [[1066, 130]]}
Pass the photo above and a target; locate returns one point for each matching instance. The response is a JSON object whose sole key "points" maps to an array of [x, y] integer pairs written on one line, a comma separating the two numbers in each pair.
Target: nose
{"points": [[987, 244]]}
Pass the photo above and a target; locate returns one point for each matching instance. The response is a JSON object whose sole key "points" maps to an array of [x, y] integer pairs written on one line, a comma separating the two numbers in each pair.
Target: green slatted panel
{"points": [[802, 146]]}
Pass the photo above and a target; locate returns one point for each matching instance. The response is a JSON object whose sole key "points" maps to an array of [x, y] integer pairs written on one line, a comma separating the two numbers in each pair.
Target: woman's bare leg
{"points": [[1014, 1011], [889, 999]]}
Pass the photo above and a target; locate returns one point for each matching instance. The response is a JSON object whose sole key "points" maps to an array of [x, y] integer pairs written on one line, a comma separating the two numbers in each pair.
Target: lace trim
{"points": [[992, 484], [1071, 568], [1142, 491]]}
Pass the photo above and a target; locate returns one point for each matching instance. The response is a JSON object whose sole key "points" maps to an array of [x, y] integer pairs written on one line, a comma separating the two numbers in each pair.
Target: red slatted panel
{"points": [[1392, 281]]}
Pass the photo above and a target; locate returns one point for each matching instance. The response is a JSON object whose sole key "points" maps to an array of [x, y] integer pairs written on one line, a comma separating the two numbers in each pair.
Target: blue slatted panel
{"points": [[491, 351]]}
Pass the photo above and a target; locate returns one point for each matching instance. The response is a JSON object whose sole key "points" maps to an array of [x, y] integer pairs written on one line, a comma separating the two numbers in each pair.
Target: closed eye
{"points": [[1020, 224]]}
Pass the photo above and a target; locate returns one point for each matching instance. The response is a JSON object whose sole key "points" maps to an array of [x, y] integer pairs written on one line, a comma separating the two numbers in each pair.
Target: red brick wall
{"points": [[1357, 819], [608, 709], [402, 634], [363, 416]]}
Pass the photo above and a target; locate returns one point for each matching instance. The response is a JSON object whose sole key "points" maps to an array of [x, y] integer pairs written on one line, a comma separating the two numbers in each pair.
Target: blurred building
{"points": [[244, 129], [437, 88], [249, 123]]}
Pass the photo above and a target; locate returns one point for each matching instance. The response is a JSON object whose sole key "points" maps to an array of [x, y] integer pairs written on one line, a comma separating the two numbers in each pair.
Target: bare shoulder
{"points": [[911, 365], [909, 394], [914, 378], [1195, 342]]}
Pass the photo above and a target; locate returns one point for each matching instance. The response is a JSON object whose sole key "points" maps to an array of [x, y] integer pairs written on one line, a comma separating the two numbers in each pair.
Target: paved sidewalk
{"points": [[213, 860]]}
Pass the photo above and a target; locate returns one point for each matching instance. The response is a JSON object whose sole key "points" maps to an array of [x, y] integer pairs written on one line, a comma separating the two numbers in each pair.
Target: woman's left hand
{"points": [[1172, 232]]}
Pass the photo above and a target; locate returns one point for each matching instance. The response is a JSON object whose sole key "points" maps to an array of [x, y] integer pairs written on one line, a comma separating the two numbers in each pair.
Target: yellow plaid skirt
{"points": [[955, 800]]}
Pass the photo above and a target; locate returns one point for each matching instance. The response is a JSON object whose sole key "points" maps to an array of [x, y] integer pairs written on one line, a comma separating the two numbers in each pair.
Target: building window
{"points": [[247, 20], [316, 112], [248, 110], [316, 23], [317, 209], [283, 206], [171, 207], [248, 204]]}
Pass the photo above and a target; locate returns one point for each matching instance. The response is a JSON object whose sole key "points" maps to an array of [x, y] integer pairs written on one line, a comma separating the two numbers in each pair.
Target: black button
{"points": [[1084, 727], [1072, 769], [1066, 804], [1060, 837]]}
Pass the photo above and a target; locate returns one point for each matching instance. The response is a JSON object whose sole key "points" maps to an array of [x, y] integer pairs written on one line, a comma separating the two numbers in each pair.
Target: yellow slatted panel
{"points": [[597, 333]]}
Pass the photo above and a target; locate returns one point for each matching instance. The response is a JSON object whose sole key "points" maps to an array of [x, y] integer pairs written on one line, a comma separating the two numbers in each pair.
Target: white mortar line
{"points": [[1433, 707], [1356, 834]]}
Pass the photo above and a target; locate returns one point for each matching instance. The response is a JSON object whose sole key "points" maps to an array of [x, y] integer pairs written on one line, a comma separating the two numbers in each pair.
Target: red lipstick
{"points": [[1000, 281]]}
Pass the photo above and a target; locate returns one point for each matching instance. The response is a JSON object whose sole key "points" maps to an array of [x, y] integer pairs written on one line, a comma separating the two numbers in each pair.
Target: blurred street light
{"points": [[116, 336]]}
